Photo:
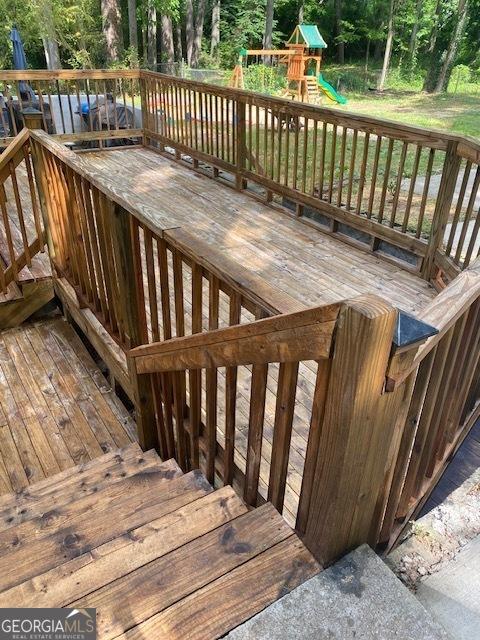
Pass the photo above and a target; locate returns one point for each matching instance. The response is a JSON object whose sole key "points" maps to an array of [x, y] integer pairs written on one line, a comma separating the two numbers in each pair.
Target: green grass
{"points": [[403, 101]]}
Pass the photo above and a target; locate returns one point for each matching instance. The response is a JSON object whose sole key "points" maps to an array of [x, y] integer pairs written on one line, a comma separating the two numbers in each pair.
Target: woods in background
{"points": [[430, 37]]}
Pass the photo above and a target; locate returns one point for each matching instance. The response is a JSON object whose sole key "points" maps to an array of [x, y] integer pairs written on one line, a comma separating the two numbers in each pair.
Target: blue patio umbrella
{"points": [[20, 61]]}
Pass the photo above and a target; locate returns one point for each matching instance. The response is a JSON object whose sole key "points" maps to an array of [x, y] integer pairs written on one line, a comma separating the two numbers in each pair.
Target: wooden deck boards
{"points": [[312, 267], [56, 409], [156, 552]]}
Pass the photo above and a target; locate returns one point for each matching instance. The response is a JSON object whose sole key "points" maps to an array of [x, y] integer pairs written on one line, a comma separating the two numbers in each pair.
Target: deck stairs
{"points": [[156, 551], [23, 299]]}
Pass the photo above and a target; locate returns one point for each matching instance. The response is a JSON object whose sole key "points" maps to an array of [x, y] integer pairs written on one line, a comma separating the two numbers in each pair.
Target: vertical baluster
{"points": [[195, 375], [20, 214], [411, 189], [386, 178], [398, 184], [282, 432], [8, 234], [332, 162], [255, 432], [373, 183], [426, 188], [212, 384], [351, 175], [321, 169], [231, 398], [363, 172], [342, 166]]}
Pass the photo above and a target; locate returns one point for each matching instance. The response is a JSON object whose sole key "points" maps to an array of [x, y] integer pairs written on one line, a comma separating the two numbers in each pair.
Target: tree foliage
{"points": [[426, 33]]}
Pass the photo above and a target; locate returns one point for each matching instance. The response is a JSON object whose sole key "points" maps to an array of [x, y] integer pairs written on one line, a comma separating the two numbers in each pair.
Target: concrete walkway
{"points": [[452, 595], [358, 598]]}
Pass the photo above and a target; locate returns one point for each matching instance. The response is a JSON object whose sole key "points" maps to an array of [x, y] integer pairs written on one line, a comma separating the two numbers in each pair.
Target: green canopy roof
{"points": [[309, 35]]}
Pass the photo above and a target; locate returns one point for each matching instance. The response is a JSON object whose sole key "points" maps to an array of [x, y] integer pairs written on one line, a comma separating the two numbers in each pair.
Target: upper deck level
{"points": [[274, 285]]}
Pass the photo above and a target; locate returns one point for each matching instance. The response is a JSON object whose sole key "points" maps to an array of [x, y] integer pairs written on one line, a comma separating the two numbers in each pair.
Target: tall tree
{"points": [[432, 69], [168, 49], [189, 30], [49, 38], [451, 53], [133, 28], [388, 48], [178, 42], [338, 32], [412, 44], [198, 34], [152, 35], [111, 22], [301, 11], [215, 37], [268, 37]]}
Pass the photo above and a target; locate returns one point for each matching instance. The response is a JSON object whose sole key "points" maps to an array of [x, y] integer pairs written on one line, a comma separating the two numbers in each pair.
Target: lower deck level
{"points": [[56, 408]]}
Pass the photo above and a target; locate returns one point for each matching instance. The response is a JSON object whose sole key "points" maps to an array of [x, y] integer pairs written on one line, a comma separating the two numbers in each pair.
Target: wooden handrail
{"points": [[442, 313], [67, 74], [14, 147], [305, 335]]}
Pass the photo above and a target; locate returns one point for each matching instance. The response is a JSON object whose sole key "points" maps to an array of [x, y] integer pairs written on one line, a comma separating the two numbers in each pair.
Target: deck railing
{"points": [[76, 106], [20, 241], [388, 187], [412, 195], [385, 417]]}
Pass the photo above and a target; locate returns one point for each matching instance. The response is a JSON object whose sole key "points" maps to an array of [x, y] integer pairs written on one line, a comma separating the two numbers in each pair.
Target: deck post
{"points": [[132, 309], [443, 204], [358, 434]]}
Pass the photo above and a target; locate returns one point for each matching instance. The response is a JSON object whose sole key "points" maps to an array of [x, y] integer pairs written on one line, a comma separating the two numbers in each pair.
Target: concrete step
{"points": [[452, 595], [358, 598]]}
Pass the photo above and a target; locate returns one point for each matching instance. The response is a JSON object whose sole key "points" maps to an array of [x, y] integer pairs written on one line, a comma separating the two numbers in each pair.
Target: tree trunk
{"points": [[301, 11], [189, 31], [388, 48], [451, 53], [112, 30], [432, 72], [178, 42], [338, 32], [412, 45], [132, 29], [215, 27], [197, 40], [152, 36], [49, 38], [267, 39], [168, 49]]}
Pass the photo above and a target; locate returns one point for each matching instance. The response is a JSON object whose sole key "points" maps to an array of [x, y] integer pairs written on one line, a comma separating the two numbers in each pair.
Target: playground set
{"points": [[303, 57]]}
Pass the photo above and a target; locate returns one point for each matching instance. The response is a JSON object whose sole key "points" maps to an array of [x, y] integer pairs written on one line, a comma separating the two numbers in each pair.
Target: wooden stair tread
{"points": [[82, 478], [63, 534], [158, 553]]}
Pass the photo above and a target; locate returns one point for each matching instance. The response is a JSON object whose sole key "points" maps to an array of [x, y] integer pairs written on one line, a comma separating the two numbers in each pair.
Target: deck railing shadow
{"points": [[387, 413]]}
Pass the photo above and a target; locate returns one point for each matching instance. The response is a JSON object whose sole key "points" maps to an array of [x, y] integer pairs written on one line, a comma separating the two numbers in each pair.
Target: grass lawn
{"points": [[404, 101], [459, 113]]}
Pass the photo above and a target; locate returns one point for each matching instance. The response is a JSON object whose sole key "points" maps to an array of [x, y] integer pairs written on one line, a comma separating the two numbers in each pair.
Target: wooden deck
{"points": [[296, 259], [299, 263], [56, 408], [155, 551]]}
